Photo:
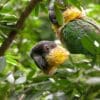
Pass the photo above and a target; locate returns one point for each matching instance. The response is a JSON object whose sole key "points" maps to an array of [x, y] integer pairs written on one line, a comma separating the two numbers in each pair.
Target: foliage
{"points": [[20, 79]]}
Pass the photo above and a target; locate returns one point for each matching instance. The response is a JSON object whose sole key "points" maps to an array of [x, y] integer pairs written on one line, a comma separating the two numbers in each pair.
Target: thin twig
{"points": [[5, 45]]}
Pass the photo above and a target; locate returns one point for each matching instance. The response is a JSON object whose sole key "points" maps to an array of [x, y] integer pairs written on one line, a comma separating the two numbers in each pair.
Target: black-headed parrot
{"points": [[48, 55], [78, 34]]}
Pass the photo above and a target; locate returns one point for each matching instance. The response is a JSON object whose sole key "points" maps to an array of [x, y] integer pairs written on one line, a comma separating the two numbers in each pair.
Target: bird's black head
{"points": [[48, 55], [39, 51], [52, 13]]}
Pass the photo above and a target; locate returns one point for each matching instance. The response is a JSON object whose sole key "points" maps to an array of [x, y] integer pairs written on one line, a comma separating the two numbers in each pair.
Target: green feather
{"points": [[79, 36]]}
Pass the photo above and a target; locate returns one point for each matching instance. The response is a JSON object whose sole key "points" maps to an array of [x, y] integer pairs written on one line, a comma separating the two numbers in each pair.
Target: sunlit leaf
{"points": [[11, 59], [20, 80], [88, 44], [10, 78], [93, 80]]}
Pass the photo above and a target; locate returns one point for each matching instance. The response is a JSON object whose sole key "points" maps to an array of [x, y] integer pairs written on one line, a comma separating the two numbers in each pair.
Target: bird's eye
{"points": [[52, 46], [46, 48]]}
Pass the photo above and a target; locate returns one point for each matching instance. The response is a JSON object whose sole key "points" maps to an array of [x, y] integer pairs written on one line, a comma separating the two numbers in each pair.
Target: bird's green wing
{"points": [[81, 36]]}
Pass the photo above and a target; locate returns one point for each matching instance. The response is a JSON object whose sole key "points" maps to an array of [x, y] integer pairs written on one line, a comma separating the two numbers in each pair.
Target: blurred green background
{"points": [[20, 79]]}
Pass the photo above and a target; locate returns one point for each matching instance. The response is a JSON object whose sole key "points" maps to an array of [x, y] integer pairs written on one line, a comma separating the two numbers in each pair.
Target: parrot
{"points": [[78, 33], [47, 55]]}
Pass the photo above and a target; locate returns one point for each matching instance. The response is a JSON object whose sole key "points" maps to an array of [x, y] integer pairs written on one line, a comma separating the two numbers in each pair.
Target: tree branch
{"points": [[5, 45]]}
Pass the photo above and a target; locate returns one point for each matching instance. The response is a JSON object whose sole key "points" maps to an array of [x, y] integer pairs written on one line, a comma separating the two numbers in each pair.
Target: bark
{"points": [[5, 45]]}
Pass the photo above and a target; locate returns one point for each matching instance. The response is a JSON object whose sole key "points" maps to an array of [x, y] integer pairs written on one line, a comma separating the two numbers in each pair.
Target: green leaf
{"points": [[88, 44], [96, 41], [36, 10], [43, 8], [95, 36], [8, 17], [65, 2], [98, 50], [59, 15], [2, 63], [11, 59], [75, 3], [60, 5]]}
